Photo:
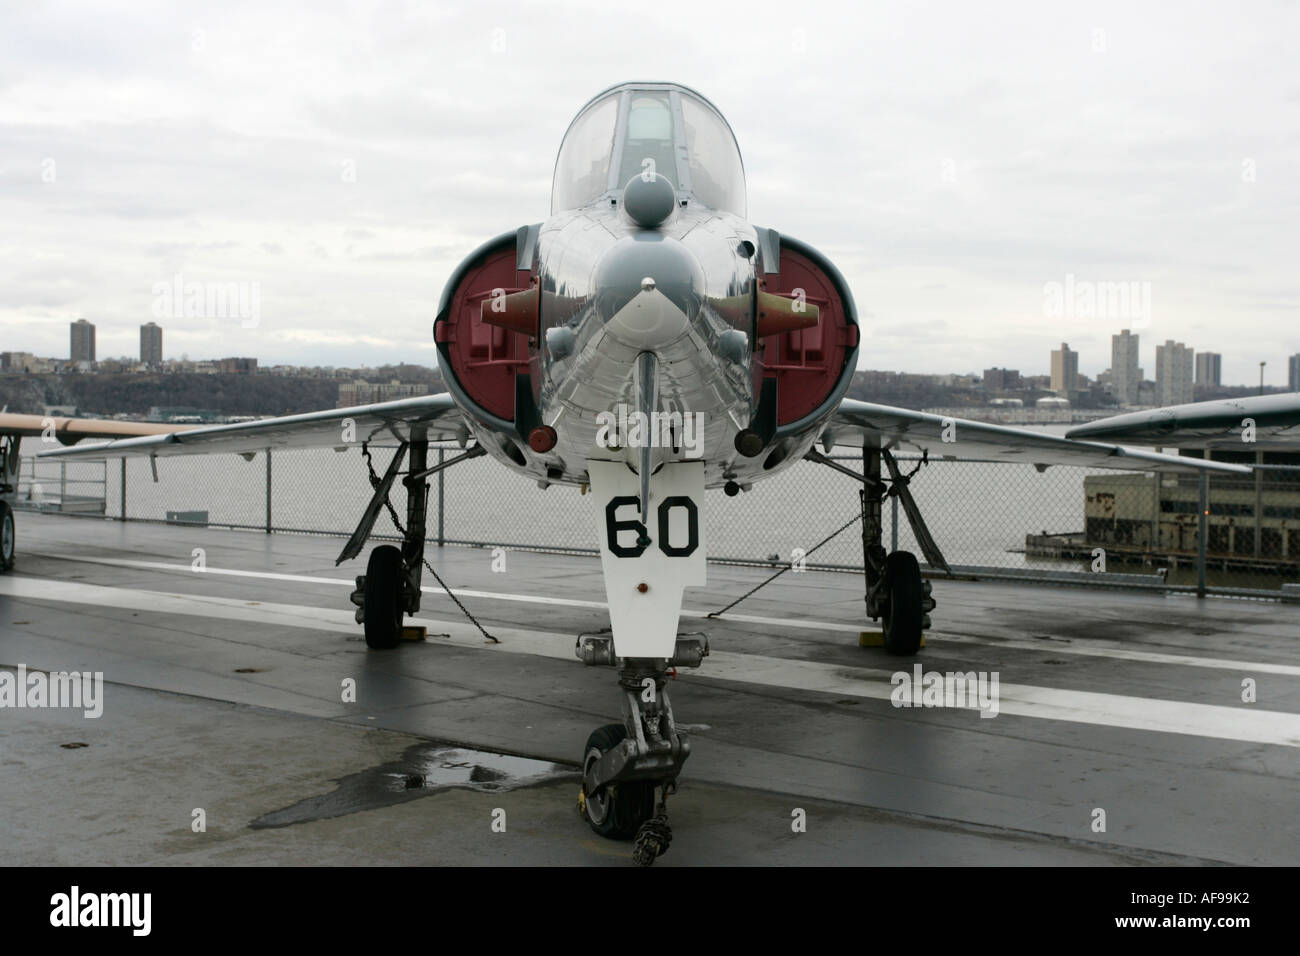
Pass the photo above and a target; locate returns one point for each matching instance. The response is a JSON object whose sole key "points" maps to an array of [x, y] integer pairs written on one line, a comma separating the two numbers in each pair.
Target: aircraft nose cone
{"points": [[648, 289]]}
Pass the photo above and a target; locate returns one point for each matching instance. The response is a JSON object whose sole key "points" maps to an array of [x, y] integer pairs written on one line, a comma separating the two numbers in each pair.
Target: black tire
{"points": [[7, 537], [616, 811], [903, 615], [383, 598]]}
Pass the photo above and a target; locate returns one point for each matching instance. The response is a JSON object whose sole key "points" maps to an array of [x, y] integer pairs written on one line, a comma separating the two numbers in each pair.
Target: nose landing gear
{"points": [[624, 764]]}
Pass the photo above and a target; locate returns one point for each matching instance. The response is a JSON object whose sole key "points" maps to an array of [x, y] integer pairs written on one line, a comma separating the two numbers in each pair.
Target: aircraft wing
{"points": [[434, 417], [1274, 423], [901, 429], [68, 431]]}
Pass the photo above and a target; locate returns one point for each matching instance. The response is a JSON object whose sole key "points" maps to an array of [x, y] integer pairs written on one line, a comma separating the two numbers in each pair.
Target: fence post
{"points": [[268, 491], [1153, 533], [63, 485], [1259, 505], [893, 525], [442, 453], [1202, 533], [123, 512]]}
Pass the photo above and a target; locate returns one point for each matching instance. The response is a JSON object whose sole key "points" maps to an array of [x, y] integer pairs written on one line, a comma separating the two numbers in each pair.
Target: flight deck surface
{"points": [[224, 693]]}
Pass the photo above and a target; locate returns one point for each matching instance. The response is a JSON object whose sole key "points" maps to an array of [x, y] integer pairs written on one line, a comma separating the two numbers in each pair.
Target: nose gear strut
{"points": [[625, 763]]}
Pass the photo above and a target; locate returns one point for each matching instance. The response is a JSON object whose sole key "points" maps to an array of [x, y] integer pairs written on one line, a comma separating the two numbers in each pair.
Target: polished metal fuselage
{"points": [[621, 291]]}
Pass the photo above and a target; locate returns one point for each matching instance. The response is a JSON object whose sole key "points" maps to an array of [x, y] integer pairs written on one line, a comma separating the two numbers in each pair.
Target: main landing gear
{"points": [[390, 588], [896, 594], [625, 764]]}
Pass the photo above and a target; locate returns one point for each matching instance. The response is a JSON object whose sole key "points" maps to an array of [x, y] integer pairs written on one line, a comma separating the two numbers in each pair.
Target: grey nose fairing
{"points": [[646, 254]]}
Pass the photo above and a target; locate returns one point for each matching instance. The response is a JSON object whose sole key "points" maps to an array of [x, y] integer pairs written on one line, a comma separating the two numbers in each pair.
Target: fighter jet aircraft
{"points": [[649, 342], [1257, 423]]}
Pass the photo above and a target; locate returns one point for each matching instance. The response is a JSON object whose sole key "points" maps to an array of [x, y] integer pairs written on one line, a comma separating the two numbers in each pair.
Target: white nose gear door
{"points": [[647, 568]]}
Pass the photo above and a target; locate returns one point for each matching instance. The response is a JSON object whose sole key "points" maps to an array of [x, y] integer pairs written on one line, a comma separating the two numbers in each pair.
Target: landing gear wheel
{"points": [[383, 598], [903, 617], [616, 811], [6, 537]]}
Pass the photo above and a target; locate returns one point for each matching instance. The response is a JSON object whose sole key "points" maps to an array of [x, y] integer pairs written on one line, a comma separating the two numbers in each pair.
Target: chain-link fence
{"points": [[991, 519]]}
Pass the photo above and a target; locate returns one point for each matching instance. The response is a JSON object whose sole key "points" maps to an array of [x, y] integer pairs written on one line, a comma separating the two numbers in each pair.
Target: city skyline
{"points": [[1125, 347]]}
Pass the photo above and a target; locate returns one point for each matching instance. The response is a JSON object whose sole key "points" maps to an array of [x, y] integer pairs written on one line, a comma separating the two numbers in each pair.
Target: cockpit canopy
{"points": [[676, 129]]}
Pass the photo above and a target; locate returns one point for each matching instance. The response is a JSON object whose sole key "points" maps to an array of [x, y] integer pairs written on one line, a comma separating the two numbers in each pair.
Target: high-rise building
{"points": [[1174, 381], [1125, 375], [1065, 371], [151, 344], [1293, 372], [1209, 367], [83, 341]]}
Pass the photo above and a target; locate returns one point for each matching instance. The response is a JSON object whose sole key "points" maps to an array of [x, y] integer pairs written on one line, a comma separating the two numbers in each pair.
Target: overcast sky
{"points": [[954, 159]]}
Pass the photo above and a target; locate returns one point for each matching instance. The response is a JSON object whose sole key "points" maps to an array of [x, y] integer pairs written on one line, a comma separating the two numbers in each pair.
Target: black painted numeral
{"points": [[614, 527], [692, 526]]}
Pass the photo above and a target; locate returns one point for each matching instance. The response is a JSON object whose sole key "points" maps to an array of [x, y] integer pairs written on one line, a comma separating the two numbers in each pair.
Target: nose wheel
{"points": [[624, 764], [623, 811], [615, 810]]}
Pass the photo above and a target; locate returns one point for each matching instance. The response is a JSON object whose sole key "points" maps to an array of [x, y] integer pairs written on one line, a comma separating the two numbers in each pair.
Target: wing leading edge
{"points": [[1272, 422], [69, 431], [433, 417], [857, 423]]}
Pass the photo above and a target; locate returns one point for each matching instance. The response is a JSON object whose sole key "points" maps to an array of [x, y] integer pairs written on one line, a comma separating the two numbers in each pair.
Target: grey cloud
{"points": [[229, 160]]}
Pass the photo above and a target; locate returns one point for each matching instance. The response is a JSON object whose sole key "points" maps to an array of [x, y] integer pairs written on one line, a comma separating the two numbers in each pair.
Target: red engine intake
{"points": [[481, 358], [808, 364]]}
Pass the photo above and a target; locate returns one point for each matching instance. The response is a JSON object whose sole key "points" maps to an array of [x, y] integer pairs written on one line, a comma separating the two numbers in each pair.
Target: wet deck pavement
{"points": [[224, 694]]}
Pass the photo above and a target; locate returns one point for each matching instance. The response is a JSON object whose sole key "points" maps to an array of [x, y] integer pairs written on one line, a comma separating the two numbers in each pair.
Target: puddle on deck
{"points": [[422, 770]]}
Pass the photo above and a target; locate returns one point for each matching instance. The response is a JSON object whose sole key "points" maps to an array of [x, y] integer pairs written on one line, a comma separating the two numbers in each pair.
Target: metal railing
{"points": [[68, 487], [1222, 535]]}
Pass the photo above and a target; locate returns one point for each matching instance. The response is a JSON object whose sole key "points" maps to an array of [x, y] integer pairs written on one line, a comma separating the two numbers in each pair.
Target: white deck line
{"points": [[1022, 700]]}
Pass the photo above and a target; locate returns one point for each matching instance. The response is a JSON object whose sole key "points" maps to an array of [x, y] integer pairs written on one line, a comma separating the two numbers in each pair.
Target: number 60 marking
{"points": [[613, 527]]}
